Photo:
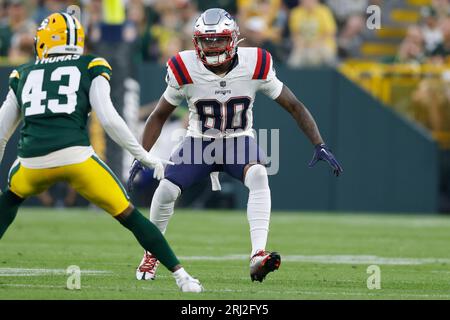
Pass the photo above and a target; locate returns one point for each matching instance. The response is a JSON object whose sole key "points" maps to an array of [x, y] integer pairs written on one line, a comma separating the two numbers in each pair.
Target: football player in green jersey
{"points": [[53, 97]]}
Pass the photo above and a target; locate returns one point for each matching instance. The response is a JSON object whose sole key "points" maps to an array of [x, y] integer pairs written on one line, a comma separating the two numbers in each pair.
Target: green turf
{"points": [[55, 239]]}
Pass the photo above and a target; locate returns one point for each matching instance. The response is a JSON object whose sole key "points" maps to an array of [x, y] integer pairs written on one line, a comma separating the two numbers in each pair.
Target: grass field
{"points": [[324, 256]]}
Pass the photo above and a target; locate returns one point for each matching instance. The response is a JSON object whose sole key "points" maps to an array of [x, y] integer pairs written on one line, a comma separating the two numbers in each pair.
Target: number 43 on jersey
{"points": [[34, 95]]}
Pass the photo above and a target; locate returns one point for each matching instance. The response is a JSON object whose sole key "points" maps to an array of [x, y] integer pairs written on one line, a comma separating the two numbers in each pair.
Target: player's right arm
{"points": [[9, 114], [152, 130], [115, 126], [155, 122], [171, 98]]}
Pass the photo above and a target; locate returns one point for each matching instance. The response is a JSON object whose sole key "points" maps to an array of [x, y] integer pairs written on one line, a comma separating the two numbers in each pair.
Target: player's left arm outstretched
{"points": [[306, 122]]}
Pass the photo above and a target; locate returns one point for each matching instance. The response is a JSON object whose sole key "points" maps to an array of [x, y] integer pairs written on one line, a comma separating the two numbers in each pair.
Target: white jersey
{"points": [[221, 106]]}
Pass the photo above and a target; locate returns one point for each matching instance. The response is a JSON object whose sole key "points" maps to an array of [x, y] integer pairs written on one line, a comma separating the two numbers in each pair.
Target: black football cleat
{"points": [[262, 263]]}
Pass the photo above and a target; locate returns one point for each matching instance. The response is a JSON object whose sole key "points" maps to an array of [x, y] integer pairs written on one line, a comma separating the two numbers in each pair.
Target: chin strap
{"points": [[239, 41]]}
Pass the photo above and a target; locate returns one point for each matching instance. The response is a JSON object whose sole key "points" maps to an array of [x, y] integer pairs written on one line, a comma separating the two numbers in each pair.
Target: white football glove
{"points": [[156, 164]]}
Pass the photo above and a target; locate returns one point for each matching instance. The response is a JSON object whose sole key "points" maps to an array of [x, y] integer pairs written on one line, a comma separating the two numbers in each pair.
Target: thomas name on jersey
{"points": [[58, 59]]}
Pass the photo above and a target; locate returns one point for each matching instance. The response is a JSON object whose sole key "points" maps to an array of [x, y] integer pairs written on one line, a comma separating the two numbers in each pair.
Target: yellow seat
{"points": [[396, 85], [443, 138], [405, 16], [419, 3], [367, 74], [378, 49], [391, 32]]}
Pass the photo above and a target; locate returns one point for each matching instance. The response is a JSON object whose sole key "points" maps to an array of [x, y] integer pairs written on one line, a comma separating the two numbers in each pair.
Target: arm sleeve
{"points": [[271, 86], [173, 96], [112, 122], [174, 93], [9, 120]]}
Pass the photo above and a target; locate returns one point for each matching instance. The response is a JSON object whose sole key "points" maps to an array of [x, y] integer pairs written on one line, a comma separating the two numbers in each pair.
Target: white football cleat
{"points": [[189, 284], [147, 267], [262, 263]]}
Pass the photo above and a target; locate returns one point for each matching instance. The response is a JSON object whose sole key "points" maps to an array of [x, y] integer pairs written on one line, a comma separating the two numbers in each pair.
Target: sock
{"points": [[258, 206], [150, 238], [163, 203], [9, 205], [180, 274]]}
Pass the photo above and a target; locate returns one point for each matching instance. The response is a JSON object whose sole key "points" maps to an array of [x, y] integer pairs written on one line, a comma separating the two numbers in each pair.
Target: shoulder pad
{"points": [[99, 62], [14, 80], [99, 67], [177, 69], [14, 74], [263, 64]]}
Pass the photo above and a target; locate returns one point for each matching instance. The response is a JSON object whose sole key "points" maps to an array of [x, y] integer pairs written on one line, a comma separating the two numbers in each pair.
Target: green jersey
{"points": [[53, 95]]}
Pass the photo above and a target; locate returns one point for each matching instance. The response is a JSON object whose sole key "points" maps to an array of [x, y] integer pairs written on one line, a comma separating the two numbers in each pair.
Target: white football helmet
{"points": [[215, 37]]}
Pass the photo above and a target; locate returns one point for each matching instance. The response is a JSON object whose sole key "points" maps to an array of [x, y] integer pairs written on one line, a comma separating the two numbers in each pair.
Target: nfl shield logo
{"points": [[223, 84]]}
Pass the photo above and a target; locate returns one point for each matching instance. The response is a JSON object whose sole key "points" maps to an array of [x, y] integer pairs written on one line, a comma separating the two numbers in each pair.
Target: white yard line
{"points": [[318, 259], [26, 272], [331, 259]]}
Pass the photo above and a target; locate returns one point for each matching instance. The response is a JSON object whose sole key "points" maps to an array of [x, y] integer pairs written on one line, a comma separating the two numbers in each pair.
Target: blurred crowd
{"points": [[301, 32], [429, 40]]}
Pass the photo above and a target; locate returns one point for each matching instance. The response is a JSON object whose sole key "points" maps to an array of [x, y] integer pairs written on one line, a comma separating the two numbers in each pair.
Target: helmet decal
{"points": [[44, 24]]}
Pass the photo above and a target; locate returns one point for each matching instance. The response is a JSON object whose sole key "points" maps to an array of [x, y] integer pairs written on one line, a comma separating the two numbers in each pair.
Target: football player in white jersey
{"points": [[219, 82]]}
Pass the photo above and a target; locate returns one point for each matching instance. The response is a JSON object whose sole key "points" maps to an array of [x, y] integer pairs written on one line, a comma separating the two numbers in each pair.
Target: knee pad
{"points": [[256, 178], [167, 191]]}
